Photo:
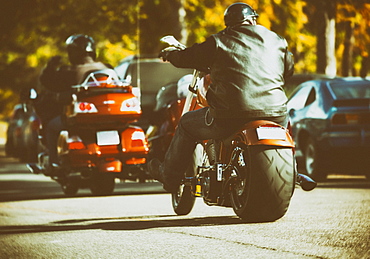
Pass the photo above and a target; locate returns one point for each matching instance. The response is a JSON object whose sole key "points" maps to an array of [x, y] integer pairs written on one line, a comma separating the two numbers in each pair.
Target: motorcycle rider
{"points": [[248, 65], [58, 79]]}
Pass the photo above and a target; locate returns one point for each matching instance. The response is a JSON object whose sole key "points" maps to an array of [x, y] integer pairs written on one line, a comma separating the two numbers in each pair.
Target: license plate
{"points": [[105, 138], [271, 133]]}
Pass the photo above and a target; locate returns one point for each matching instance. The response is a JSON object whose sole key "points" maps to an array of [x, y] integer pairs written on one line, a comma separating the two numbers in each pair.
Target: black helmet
{"points": [[80, 46], [238, 13]]}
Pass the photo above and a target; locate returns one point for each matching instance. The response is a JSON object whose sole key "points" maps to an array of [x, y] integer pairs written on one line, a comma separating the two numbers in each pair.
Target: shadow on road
{"points": [[122, 224]]}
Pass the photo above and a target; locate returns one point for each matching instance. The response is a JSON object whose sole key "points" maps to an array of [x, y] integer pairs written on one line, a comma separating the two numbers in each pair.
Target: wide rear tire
{"points": [[183, 200], [264, 184], [102, 184]]}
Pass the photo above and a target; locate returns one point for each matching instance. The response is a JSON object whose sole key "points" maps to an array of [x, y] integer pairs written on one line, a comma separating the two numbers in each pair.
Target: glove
{"points": [[54, 62], [166, 52]]}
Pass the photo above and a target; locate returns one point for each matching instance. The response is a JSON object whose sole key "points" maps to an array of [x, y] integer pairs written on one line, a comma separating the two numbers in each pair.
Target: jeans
{"points": [[53, 129], [196, 126]]}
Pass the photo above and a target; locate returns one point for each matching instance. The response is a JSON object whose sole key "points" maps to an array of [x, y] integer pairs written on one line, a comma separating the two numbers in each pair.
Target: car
{"points": [[292, 82], [149, 74], [330, 123], [22, 133]]}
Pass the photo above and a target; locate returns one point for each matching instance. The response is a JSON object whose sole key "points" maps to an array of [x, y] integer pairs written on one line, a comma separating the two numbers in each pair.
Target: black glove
{"points": [[166, 52]]}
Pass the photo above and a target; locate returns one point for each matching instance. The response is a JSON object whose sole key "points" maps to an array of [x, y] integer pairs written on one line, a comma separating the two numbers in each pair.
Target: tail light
{"points": [[84, 107], [135, 161], [134, 140], [75, 143], [138, 139], [350, 118], [132, 104]]}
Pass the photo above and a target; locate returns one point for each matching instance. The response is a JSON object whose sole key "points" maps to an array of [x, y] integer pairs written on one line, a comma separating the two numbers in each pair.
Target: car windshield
{"points": [[351, 90]]}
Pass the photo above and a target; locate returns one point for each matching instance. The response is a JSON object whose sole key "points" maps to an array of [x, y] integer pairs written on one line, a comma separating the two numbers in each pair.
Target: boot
{"points": [[155, 169]]}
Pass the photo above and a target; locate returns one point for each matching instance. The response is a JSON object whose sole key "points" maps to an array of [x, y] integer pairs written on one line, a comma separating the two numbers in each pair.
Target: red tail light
{"points": [[338, 119], [84, 107], [137, 143], [138, 139], [135, 161], [75, 143], [350, 118]]}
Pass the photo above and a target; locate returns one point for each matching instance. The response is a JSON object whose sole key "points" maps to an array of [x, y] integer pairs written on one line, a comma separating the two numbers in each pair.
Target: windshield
{"points": [[351, 90]]}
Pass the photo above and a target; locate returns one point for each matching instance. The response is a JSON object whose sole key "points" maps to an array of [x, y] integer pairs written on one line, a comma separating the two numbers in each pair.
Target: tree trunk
{"points": [[157, 19], [326, 61], [365, 65], [348, 49]]}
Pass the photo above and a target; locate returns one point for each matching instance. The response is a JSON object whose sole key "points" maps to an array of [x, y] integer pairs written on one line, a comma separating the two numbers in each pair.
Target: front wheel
{"points": [[264, 183], [183, 200]]}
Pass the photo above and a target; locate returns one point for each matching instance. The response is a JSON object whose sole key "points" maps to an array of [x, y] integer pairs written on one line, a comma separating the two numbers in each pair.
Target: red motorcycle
{"points": [[252, 171], [101, 143]]}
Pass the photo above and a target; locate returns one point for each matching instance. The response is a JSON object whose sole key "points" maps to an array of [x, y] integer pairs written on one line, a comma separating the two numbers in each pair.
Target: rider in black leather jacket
{"points": [[57, 81], [248, 65]]}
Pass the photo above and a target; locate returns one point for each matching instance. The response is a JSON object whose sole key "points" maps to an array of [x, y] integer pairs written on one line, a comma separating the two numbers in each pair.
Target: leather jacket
{"points": [[57, 82], [248, 66]]}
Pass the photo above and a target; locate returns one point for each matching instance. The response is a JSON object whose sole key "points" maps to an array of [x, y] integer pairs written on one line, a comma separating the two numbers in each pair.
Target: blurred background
{"points": [[330, 37]]}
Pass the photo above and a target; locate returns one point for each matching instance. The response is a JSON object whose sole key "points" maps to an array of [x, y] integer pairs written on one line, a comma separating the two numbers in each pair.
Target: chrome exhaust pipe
{"points": [[306, 183], [34, 168]]}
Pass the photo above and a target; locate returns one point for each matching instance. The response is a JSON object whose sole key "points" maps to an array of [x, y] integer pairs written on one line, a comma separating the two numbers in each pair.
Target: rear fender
{"points": [[263, 132]]}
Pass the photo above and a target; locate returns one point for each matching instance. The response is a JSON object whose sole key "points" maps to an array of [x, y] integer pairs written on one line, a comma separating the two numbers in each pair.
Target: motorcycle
{"points": [[252, 171], [101, 143], [170, 101]]}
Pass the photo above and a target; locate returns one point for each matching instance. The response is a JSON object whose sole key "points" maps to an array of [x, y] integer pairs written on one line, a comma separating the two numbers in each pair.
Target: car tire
{"points": [[313, 162]]}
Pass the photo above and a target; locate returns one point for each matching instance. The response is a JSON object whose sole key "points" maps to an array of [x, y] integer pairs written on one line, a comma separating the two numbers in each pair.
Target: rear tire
{"points": [[70, 188], [70, 185], [183, 200], [265, 183], [102, 184]]}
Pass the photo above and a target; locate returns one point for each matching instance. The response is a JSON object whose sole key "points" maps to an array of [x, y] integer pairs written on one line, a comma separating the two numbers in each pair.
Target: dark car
{"points": [[149, 74], [331, 126], [22, 133]]}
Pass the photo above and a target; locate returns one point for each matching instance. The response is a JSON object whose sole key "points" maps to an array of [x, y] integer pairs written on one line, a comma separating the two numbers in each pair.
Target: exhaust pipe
{"points": [[306, 183]]}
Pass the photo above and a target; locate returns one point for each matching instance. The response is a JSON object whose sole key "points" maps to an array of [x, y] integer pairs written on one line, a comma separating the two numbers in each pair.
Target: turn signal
{"points": [[132, 104]]}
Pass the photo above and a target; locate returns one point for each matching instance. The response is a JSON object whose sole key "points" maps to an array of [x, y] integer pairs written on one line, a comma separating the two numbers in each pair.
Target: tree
{"points": [[322, 14], [157, 19], [354, 22]]}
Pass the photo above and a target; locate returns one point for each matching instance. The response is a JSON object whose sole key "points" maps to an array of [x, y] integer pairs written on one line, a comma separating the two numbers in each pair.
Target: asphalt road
{"points": [[38, 221]]}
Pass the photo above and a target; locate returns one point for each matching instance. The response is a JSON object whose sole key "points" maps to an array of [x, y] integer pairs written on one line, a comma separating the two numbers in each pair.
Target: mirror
{"points": [[170, 40], [33, 94]]}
